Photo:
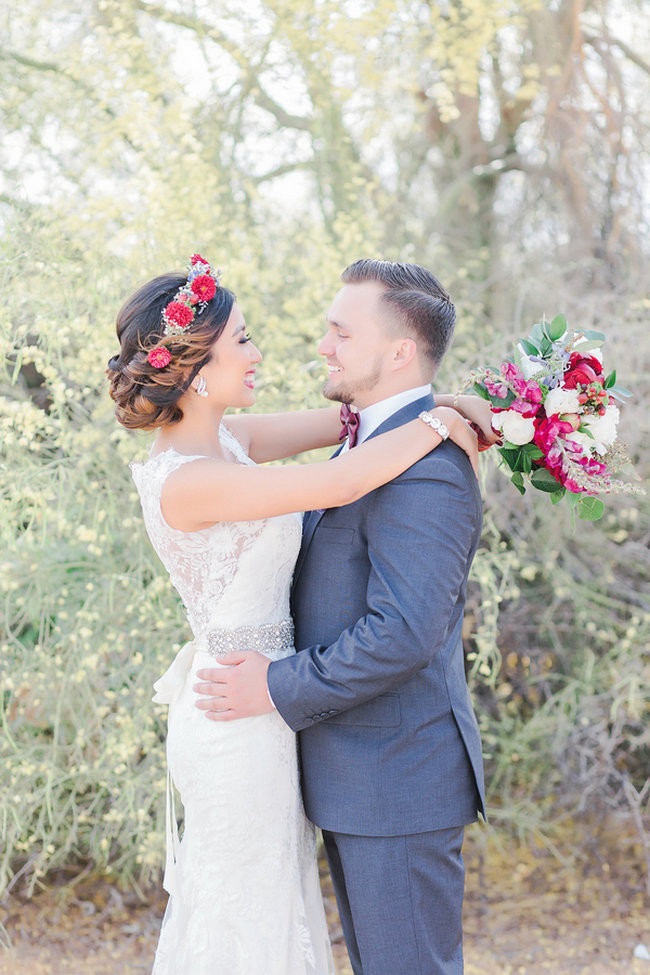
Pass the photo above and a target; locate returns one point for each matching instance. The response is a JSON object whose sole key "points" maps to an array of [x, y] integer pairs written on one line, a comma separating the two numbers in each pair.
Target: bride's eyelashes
{"points": [[245, 338]]}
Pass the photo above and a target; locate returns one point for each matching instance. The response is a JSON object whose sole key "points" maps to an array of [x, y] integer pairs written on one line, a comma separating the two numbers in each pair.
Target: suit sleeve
{"points": [[422, 530]]}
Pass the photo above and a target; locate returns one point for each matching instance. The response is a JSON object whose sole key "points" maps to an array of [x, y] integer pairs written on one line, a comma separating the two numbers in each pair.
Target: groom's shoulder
{"points": [[446, 461]]}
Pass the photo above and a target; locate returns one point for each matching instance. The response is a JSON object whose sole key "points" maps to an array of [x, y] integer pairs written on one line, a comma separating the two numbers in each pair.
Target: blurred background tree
{"points": [[504, 145]]}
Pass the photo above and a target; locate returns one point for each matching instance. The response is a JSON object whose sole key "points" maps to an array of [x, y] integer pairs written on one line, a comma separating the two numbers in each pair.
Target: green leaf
{"points": [[584, 347], [573, 499], [546, 346], [590, 509], [528, 347], [594, 335], [556, 329], [481, 391], [557, 495], [503, 403], [620, 391], [587, 432], [543, 480], [518, 481], [611, 379], [537, 333], [513, 458], [532, 450]]}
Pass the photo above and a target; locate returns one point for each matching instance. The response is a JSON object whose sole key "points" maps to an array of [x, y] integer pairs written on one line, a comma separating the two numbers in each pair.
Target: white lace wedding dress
{"points": [[243, 880]]}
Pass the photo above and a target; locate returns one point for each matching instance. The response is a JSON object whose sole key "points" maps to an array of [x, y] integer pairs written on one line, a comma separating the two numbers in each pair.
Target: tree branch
{"points": [[204, 29]]}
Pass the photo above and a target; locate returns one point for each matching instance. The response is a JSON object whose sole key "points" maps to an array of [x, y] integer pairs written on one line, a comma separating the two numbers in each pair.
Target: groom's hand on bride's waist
{"points": [[236, 690]]}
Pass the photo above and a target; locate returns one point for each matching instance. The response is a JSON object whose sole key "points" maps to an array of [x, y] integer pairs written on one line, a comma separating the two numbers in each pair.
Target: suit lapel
{"points": [[312, 518]]}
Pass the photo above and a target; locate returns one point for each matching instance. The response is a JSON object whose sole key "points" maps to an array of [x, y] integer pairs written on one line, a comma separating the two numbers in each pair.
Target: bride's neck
{"points": [[196, 433]]}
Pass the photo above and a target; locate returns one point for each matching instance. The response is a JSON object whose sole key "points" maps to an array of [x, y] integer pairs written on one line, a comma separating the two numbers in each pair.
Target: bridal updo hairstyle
{"points": [[145, 397]]}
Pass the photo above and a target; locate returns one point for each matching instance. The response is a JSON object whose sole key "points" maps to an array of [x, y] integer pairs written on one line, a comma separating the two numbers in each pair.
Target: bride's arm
{"points": [[205, 491], [473, 408], [272, 436]]}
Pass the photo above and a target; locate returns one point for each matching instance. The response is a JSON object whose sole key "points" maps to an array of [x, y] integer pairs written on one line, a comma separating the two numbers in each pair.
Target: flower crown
{"points": [[188, 302]]}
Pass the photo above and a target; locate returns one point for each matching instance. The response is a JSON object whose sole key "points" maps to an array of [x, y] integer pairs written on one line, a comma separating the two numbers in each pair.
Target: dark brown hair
{"points": [[419, 303], [146, 398]]}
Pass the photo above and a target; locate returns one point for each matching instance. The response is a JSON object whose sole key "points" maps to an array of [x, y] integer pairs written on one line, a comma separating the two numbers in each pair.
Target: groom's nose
{"points": [[326, 345]]}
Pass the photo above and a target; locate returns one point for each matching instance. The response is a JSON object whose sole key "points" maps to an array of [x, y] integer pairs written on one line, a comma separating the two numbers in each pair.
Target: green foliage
{"points": [[284, 147]]}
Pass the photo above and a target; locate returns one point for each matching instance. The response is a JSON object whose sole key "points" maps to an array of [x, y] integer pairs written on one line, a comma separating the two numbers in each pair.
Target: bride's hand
{"points": [[477, 410], [460, 432]]}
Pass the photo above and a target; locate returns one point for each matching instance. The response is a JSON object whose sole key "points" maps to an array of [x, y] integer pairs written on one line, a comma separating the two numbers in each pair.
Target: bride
{"points": [[245, 897]]}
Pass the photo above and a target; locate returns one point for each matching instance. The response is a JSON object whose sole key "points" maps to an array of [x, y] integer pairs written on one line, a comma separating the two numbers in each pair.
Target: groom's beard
{"points": [[340, 393]]}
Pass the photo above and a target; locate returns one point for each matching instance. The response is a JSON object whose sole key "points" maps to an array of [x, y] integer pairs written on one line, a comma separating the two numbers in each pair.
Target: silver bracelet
{"points": [[432, 421]]}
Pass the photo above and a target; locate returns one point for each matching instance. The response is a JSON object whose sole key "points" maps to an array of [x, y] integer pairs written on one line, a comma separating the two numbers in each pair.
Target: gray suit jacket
{"points": [[388, 738]]}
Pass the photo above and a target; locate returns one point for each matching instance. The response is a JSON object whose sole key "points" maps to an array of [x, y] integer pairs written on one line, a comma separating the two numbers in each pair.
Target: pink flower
{"points": [[197, 259], [159, 357]]}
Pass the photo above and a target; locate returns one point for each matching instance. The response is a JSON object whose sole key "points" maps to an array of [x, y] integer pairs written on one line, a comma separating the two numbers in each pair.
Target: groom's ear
{"points": [[404, 352]]}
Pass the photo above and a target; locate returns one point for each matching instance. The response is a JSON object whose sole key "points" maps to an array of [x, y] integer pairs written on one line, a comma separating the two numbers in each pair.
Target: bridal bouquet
{"points": [[556, 410]]}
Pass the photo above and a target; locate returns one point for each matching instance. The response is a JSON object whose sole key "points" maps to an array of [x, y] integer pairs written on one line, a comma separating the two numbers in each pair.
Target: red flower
{"points": [[583, 369], [197, 259], [159, 357], [204, 287], [179, 314]]}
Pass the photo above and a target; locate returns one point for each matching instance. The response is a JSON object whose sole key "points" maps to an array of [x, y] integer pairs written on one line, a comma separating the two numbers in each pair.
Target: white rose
{"points": [[603, 428], [516, 428], [560, 400]]}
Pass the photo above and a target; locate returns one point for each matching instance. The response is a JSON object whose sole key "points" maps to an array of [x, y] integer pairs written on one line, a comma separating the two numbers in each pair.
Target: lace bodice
{"points": [[230, 574]]}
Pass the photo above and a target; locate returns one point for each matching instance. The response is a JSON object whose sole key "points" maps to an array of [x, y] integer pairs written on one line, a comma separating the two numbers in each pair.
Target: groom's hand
{"points": [[238, 690]]}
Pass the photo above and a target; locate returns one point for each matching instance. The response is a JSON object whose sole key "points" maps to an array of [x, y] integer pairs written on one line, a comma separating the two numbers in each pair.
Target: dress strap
{"points": [[231, 443]]}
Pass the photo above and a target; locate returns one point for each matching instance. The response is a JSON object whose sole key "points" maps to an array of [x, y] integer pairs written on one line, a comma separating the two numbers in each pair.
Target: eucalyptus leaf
{"points": [[585, 347], [593, 335], [529, 348], [557, 495], [620, 391], [590, 509]]}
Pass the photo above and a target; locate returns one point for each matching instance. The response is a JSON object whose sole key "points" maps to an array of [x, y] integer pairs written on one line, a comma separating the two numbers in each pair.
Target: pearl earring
{"points": [[201, 387]]}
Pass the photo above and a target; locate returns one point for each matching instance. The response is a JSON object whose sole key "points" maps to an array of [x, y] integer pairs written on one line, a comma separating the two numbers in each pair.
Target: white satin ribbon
{"points": [[167, 689], [169, 686]]}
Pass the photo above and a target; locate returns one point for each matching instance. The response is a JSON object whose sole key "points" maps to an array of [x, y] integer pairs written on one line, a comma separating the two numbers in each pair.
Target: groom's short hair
{"points": [[419, 303]]}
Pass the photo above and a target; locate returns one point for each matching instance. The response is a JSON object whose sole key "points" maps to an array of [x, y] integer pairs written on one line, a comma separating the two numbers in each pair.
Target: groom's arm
{"points": [[422, 531]]}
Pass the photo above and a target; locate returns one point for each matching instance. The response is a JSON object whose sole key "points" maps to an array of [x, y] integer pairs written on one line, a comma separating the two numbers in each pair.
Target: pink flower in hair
{"points": [[159, 357]]}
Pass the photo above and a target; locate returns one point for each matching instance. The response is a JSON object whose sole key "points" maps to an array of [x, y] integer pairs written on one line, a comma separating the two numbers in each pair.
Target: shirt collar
{"points": [[375, 414]]}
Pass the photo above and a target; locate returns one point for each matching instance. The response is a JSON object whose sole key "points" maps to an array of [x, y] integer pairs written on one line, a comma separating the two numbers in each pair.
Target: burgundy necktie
{"points": [[350, 420]]}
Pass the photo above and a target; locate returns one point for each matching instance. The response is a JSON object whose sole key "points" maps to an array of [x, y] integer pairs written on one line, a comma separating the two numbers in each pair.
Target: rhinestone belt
{"points": [[263, 638]]}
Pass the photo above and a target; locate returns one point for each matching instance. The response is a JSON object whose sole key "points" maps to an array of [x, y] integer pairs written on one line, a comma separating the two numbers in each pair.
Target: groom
{"points": [[390, 748]]}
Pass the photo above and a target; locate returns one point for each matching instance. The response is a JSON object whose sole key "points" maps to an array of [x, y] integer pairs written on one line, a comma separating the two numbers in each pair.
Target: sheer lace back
{"points": [[230, 574]]}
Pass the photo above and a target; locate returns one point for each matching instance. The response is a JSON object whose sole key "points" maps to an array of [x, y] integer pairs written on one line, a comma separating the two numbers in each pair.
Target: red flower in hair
{"points": [[159, 357], [179, 314], [204, 287], [197, 259]]}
